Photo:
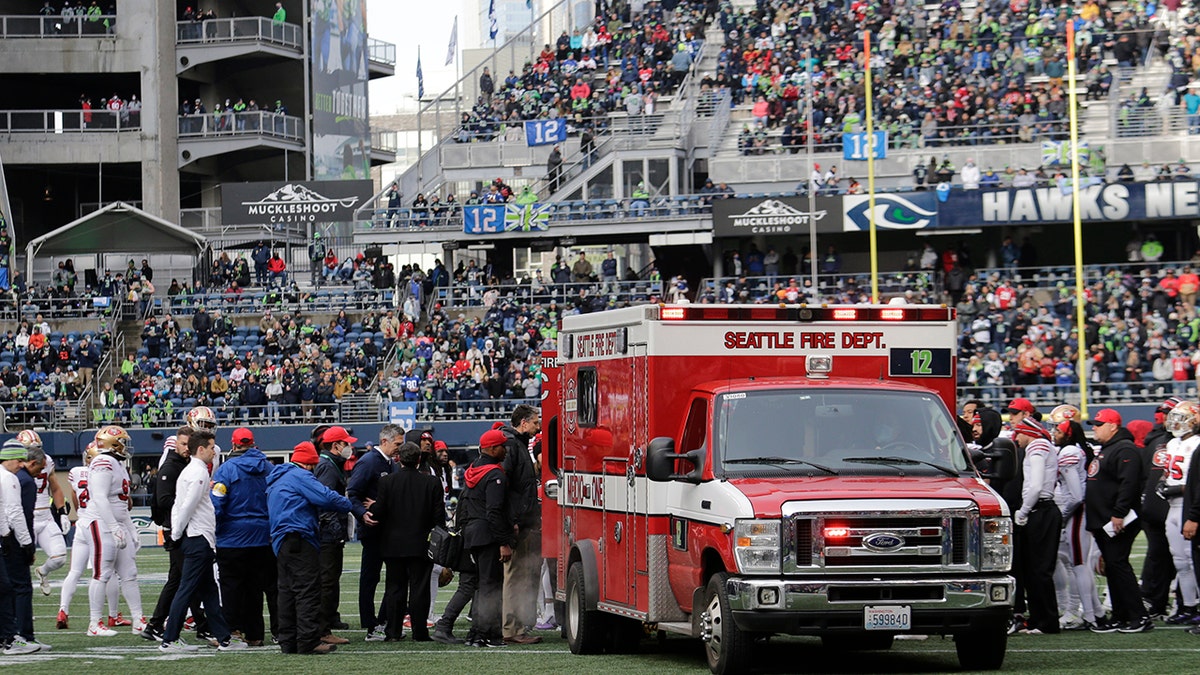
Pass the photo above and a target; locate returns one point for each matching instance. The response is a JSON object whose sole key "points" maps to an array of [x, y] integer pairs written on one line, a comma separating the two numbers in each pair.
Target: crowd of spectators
{"points": [[41, 368], [623, 61], [991, 73]]}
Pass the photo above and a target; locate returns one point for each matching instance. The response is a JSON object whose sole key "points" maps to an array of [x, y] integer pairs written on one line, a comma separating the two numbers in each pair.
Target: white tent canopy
{"points": [[115, 228]]}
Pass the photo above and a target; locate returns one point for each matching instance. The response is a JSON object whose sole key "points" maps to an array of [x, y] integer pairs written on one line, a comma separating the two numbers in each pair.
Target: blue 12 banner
{"points": [[498, 218], [545, 132], [854, 146]]}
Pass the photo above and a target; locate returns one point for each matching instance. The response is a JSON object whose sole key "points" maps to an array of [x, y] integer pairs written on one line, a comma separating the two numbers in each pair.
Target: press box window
{"points": [[587, 398]]}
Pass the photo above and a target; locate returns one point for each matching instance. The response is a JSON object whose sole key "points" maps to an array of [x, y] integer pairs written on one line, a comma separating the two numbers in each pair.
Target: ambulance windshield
{"points": [[857, 432]]}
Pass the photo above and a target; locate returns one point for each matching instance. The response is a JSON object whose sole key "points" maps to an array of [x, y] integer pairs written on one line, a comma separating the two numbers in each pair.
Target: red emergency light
{"points": [[837, 532], [805, 313]]}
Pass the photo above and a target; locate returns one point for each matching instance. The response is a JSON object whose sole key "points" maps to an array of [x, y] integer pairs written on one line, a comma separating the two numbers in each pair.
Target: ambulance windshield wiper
{"points": [[902, 460], [780, 460]]}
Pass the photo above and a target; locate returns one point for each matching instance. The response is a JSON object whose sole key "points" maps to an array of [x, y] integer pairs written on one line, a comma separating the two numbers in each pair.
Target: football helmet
{"points": [[1181, 421], [30, 439], [89, 452], [1064, 413], [202, 417], [114, 440]]}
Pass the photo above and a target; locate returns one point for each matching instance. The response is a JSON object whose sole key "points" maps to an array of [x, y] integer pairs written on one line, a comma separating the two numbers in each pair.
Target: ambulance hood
{"points": [[768, 495]]}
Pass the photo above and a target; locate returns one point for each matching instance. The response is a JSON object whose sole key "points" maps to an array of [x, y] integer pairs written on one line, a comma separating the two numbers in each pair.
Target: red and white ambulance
{"points": [[732, 472]]}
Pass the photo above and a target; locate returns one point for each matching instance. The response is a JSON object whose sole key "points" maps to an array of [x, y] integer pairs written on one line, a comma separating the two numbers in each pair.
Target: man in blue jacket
{"points": [[244, 555], [260, 256], [294, 497], [363, 486]]}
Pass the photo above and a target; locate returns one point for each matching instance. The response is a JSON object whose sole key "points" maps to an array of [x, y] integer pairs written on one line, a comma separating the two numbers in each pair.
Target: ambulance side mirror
{"points": [[999, 463], [661, 458]]}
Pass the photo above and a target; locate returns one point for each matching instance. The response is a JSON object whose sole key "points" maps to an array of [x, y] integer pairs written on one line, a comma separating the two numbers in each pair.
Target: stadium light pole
{"points": [[1080, 313], [871, 170]]}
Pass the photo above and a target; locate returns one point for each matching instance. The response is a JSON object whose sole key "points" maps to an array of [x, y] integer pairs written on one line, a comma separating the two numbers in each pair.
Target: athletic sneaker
{"points": [[445, 637], [486, 643], [231, 645], [178, 646], [1031, 631], [43, 581], [546, 625], [1185, 615], [20, 646], [408, 622], [1137, 626], [61, 623], [1018, 623], [44, 647], [119, 621], [152, 633], [98, 629], [1105, 625], [140, 625], [376, 635]]}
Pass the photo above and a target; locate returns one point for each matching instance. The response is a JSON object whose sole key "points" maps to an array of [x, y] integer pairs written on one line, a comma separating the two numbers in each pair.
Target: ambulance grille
{"points": [[804, 542], [860, 542]]}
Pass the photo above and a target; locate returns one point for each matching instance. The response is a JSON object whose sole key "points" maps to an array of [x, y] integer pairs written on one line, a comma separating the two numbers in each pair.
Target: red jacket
{"points": [[276, 265]]}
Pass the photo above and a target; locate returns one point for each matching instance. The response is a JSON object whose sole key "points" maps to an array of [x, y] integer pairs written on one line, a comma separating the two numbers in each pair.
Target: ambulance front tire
{"points": [[585, 629], [727, 647], [982, 648]]}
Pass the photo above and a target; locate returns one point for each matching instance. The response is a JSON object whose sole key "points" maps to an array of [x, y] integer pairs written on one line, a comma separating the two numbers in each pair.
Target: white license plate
{"points": [[887, 617]]}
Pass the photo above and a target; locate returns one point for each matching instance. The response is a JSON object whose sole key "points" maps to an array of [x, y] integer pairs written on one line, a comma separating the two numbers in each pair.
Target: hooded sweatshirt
{"points": [[239, 497], [484, 516], [523, 507], [294, 497], [1114, 480]]}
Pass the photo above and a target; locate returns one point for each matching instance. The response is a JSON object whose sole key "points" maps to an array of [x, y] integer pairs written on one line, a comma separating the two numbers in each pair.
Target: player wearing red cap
{"points": [[1039, 522]]}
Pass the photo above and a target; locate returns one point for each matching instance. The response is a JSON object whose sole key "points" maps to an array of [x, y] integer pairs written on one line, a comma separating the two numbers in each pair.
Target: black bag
{"points": [[446, 549]]}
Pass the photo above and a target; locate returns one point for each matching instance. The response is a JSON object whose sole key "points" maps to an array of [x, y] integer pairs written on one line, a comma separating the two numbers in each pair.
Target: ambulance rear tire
{"points": [[982, 649], [585, 628], [728, 647]]}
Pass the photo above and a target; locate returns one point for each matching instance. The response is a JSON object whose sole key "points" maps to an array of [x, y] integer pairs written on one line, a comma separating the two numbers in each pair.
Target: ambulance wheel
{"points": [[982, 649], [726, 646], [585, 629], [858, 642]]}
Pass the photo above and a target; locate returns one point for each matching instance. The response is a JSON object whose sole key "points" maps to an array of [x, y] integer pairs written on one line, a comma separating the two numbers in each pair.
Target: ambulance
{"points": [[730, 473]]}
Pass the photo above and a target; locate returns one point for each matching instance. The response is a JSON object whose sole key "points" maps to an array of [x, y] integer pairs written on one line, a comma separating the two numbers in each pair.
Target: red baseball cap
{"points": [[491, 438], [243, 436], [334, 434], [1021, 405], [1106, 416]]}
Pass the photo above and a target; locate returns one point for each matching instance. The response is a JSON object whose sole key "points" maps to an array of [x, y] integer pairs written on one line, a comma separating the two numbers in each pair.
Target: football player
{"points": [[1175, 460], [46, 529], [114, 538], [200, 417], [81, 550]]}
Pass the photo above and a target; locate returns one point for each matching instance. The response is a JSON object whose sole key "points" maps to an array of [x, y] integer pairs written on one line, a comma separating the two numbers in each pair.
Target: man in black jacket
{"points": [[363, 486], [408, 506], [488, 532], [521, 577], [1114, 478], [163, 489], [336, 446], [1158, 569]]}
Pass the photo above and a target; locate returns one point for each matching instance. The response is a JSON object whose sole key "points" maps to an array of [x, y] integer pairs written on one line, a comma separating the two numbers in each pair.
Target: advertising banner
{"points": [[341, 135], [295, 202], [774, 216], [1115, 202], [907, 211]]}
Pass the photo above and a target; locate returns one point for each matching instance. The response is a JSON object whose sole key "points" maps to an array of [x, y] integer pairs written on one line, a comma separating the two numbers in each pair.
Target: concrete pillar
{"points": [[160, 96]]}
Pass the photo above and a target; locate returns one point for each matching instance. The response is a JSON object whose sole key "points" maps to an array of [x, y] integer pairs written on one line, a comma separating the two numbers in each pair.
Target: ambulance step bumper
{"points": [[799, 607]]}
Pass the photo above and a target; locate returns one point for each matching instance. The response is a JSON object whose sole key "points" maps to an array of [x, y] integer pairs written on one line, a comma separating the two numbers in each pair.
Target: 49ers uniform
{"points": [[81, 550], [1075, 545], [1175, 460], [113, 536], [46, 530]]}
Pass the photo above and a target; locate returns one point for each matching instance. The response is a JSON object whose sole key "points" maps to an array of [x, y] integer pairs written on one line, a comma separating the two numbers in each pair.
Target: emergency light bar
{"points": [[804, 313]]}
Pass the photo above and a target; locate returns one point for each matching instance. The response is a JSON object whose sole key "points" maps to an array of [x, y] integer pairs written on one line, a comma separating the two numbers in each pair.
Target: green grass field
{"points": [[1165, 649]]}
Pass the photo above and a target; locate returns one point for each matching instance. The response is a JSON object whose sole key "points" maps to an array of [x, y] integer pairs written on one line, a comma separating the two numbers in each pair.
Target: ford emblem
{"points": [[883, 542]]}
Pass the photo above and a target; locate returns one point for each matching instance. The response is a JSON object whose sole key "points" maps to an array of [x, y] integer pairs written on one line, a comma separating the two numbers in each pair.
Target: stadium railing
{"points": [[55, 26], [227, 123], [379, 51], [69, 121], [467, 295], [1046, 396], [245, 29]]}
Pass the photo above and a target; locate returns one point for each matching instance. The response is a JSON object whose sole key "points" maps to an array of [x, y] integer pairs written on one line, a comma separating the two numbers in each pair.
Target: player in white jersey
{"points": [[47, 531], [200, 417], [81, 548], [114, 538], [1175, 460], [1074, 578]]}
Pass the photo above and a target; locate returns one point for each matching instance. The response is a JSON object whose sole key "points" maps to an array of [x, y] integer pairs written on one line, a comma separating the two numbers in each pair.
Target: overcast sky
{"points": [[407, 24]]}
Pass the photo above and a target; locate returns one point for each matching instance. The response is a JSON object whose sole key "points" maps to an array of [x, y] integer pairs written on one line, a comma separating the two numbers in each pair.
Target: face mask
{"points": [[347, 452]]}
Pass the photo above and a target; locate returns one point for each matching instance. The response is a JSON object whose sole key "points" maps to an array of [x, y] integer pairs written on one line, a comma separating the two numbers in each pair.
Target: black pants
{"points": [[1126, 599], [408, 594], [369, 569], [468, 583], [17, 567], [488, 603], [8, 623], [1158, 569], [1039, 555], [330, 563], [247, 576], [299, 595], [196, 584], [175, 556]]}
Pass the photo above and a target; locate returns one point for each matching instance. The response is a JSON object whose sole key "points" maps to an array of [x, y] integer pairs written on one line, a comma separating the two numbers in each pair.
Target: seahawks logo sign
{"points": [[892, 212]]}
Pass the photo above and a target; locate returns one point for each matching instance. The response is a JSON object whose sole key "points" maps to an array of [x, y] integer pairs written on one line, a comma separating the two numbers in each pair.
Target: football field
{"points": [[1165, 649]]}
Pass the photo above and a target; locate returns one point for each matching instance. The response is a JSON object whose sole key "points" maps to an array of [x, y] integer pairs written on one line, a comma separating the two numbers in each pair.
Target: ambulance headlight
{"points": [[756, 546], [997, 541]]}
